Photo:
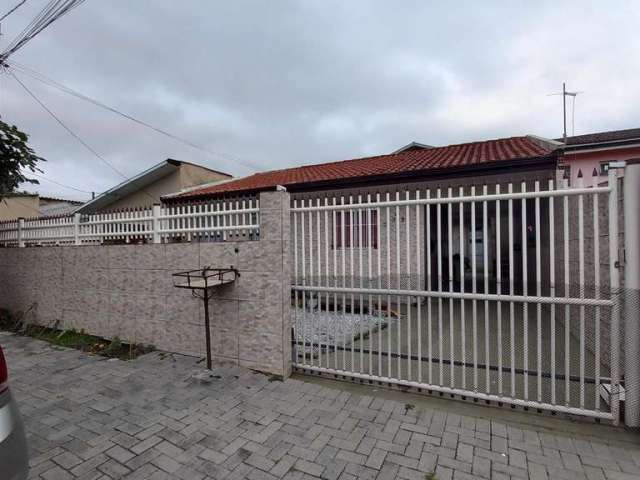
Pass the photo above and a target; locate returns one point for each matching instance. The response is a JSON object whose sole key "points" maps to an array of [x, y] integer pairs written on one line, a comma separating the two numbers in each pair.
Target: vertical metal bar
{"points": [[360, 275], [485, 243], [596, 285], [312, 278], [631, 293], [429, 286], [379, 315], [452, 349], [304, 282], [238, 231], [296, 281], [207, 333], [499, 289], [579, 183], [615, 294], [525, 305], [552, 292], [419, 286], [388, 236], [538, 292], [352, 242], [511, 292], [312, 281], [474, 290], [439, 259], [318, 281], [224, 221], [409, 285], [369, 285], [567, 287], [326, 279], [335, 284], [344, 284], [399, 286], [463, 327]]}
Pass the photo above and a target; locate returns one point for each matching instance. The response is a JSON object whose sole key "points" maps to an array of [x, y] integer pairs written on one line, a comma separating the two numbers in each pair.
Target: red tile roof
{"points": [[413, 161]]}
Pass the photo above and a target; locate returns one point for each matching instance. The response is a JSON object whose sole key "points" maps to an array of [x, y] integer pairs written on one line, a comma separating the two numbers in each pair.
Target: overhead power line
{"points": [[72, 133], [63, 125], [49, 14], [63, 88], [42, 177], [13, 10]]}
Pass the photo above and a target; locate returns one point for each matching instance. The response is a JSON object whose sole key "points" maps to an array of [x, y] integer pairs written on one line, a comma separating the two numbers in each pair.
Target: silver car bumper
{"points": [[14, 457]]}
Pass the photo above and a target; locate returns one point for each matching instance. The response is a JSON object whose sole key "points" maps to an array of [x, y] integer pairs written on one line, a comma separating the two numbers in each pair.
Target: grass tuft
{"points": [[70, 338]]}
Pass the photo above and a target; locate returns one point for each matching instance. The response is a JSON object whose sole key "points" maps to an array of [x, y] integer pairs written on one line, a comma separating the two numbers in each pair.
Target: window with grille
{"points": [[357, 229]]}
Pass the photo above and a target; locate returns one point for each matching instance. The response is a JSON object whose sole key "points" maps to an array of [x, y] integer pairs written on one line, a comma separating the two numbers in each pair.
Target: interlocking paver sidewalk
{"points": [[92, 418]]}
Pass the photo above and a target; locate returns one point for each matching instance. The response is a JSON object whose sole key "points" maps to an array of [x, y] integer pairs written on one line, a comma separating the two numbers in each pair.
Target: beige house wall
{"points": [[184, 176], [19, 206], [145, 198]]}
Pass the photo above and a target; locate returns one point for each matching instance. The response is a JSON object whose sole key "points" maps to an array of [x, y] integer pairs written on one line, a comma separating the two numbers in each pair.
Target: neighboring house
{"points": [[31, 205], [594, 151], [413, 168], [54, 207], [413, 146], [147, 188]]}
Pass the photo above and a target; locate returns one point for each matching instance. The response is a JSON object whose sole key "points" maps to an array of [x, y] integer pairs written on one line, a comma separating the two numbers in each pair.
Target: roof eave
{"points": [[601, 145], [408, 176], [129, 186]]}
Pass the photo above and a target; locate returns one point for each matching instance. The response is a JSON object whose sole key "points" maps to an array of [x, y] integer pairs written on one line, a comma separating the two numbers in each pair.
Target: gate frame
{"points": [[614, 302], [631, 207]]}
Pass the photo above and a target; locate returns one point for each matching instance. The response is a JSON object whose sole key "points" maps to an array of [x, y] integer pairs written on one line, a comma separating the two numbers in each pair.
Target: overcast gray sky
{"points": [[279, 84]]}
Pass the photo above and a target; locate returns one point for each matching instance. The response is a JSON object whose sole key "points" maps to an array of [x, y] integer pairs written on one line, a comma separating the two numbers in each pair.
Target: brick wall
{"points": [[127, 291]]}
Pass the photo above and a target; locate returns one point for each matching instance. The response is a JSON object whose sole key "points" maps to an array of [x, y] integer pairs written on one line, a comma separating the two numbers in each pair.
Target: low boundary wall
{"points": [[127, 291]]}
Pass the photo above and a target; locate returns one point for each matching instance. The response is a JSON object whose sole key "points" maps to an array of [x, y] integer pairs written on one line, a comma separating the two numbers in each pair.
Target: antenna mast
{"points": [[565, 94]]}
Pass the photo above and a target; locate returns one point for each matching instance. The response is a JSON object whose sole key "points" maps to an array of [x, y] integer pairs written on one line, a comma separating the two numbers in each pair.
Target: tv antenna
{"points": [[566, 94]]}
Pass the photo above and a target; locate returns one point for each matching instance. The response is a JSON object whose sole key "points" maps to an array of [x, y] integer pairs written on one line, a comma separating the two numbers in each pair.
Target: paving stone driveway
{"points": [[92, 418]]}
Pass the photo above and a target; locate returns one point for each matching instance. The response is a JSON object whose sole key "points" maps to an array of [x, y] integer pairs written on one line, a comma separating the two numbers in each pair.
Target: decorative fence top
{"points": [[214, 221]]}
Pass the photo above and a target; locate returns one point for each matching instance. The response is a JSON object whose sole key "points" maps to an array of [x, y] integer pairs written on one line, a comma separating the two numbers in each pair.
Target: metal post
{"points": [[76, 229], [614, 275], [21, 232], [156, 223], [564, 113], [632, 294], [206, 327]]}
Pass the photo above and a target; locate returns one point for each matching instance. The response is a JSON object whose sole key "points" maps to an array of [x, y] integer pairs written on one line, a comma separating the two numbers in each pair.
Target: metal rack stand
{"points": [[205, 280]]}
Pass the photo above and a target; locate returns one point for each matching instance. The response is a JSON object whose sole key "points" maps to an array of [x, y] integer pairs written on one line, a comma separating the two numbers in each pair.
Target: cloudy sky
{"points": [[266, 85]]}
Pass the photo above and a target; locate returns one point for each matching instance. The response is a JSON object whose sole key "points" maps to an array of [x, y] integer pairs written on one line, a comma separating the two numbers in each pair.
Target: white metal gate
{"points": [[507, 293]]}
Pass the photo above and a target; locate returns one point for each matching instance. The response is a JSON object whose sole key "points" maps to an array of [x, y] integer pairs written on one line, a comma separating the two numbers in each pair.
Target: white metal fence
{"points": [[215, 221], [506, 294]]}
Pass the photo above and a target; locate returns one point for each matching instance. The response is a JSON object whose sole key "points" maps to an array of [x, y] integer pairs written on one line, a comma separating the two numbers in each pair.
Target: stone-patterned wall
{"points": [[127, 291]]}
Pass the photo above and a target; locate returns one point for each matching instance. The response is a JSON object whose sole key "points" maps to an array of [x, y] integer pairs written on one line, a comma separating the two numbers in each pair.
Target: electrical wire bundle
{"points": [[49, 14]]}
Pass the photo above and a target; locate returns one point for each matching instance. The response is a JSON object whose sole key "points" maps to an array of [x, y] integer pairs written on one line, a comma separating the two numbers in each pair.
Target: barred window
{"points": [[357, 227]]}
